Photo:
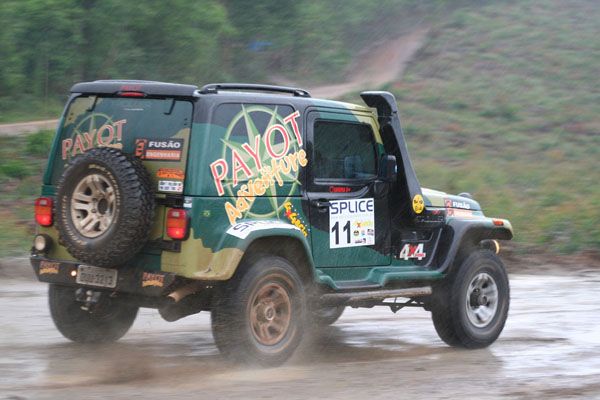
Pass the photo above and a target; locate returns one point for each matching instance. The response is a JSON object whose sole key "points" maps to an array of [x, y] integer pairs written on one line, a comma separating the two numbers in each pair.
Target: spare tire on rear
{"points": [[104, 207]]}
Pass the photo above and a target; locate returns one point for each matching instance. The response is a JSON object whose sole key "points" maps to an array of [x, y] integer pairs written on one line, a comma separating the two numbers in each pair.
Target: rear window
{"points": [[93, 121]]}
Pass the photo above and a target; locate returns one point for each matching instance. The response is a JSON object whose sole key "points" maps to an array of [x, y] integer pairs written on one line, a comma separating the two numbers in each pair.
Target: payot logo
{"points": [[96, 130], [264, 162]]}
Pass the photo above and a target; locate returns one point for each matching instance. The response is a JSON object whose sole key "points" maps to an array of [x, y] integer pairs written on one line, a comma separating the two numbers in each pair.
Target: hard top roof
{"points": [[151, 88], [232, 91]]}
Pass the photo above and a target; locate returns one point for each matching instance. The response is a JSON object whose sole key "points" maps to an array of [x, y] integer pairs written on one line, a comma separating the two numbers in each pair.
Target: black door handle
{"points": [[322, 205]]}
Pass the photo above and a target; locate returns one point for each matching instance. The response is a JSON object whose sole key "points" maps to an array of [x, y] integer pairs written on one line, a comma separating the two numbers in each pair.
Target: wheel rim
{"points": [[270, 314], [482, 300], [93, 205]]}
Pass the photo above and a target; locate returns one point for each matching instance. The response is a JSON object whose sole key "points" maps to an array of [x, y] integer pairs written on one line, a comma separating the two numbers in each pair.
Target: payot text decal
{"points": [[263, 163]]}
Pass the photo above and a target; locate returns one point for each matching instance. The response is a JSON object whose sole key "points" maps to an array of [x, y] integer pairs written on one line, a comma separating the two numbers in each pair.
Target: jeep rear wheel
{"points": [[106, 321], [105, 207], [470, 309], [258, 317]]}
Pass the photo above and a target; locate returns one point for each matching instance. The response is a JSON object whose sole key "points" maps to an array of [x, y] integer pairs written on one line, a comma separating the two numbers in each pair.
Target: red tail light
{"points": [[43, 211], [177, 223]]}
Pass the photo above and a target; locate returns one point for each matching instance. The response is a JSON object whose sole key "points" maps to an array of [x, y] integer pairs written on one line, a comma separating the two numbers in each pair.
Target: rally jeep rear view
{"points": [[270, 209]]}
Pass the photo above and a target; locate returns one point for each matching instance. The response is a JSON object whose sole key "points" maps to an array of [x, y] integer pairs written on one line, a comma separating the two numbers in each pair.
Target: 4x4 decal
{"points": [[264, 162]]}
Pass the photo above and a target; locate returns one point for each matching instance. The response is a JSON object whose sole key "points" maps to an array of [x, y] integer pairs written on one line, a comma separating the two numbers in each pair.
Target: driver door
{"points": [[349, 219]]}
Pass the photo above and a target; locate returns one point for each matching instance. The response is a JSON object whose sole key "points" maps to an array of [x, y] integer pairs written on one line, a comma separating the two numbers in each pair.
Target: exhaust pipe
{"points": [[186, 300]]}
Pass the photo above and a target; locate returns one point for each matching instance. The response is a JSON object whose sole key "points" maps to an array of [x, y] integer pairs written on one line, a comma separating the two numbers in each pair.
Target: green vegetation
{"points": [[503, 102], [46, 46], [22, 161]]}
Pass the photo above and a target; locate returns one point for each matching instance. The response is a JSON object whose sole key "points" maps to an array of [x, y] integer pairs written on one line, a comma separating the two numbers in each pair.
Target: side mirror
{"points": [[388, 168]]}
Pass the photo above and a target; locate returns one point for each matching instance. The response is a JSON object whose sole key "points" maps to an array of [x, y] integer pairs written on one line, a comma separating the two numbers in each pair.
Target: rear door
{"points": [[156, 130], [349, 219]]}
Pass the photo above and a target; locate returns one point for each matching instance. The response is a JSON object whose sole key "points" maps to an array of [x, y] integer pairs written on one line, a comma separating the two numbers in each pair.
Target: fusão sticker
{"points": [[159, 149], [351, 223]]}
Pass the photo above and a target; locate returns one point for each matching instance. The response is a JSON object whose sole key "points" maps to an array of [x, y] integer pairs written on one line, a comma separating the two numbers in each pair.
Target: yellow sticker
{"points": [[418, 204]]}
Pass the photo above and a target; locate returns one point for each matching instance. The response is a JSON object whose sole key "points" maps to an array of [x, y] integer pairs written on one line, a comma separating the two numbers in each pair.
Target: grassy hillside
{"points": [[504, 102]]}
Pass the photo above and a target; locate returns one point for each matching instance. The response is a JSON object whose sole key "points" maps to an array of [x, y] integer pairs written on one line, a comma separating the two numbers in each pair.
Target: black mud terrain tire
{"points": [[469, 309], [105, 207], [258, 317], [107, 321]]}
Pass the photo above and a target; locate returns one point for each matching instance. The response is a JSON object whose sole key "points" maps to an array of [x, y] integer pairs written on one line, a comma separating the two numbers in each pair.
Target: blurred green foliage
{"points": [[47, 45], [22, 161]]}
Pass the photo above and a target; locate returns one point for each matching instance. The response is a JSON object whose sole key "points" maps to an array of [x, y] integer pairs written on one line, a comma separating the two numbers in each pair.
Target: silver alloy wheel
{"points": [[93, 205], [482, 300]]}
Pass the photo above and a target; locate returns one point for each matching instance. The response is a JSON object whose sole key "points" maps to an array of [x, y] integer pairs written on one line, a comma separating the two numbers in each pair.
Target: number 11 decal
{"points": [[336, 230]]}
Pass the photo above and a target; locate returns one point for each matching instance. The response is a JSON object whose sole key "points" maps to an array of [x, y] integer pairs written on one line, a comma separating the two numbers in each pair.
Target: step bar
{"points": [[358, 297]]}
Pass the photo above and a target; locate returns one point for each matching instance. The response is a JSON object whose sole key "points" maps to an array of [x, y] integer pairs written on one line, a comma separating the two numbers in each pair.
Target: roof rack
{"points": [[213, 88]]}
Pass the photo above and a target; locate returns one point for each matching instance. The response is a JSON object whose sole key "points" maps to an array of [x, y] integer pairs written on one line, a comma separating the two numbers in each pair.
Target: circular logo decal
{"points": [[418, 204]]}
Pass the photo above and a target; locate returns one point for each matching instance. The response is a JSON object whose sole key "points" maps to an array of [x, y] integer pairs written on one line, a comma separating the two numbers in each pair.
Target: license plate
{"points": [[96, 276]]}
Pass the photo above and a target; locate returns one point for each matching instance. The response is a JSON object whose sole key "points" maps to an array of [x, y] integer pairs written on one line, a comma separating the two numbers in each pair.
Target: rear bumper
{"points": [[129, 280]]}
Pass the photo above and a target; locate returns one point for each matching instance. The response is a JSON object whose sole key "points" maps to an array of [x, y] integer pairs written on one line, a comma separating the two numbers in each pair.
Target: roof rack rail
{"points": [[213, 88]]}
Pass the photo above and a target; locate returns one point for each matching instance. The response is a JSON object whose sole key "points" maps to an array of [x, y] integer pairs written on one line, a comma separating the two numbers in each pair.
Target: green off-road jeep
{"points": [[266, 207]]}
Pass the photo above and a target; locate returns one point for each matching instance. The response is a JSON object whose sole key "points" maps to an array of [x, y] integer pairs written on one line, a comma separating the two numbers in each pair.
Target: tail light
{"points": [[43, 211], [177, 223]]}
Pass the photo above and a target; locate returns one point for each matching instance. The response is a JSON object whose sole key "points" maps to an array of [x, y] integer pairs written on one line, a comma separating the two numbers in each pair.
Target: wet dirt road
{"points": [[550, 348]]}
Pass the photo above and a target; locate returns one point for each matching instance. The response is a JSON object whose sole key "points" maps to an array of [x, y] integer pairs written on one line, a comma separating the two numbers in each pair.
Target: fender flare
{"points": [[469, 233], [250, 235]]}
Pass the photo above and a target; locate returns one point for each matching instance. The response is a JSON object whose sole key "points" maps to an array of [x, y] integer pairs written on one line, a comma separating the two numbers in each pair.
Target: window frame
{"points": [[318, 184]]}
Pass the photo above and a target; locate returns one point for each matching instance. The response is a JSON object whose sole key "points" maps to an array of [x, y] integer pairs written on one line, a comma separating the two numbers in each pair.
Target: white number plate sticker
{"points": [[96, 276], [351, 223]]}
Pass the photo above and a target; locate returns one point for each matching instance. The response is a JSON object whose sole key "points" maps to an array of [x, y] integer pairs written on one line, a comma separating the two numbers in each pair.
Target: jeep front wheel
{"points": [[470, 309], [258, 317]]}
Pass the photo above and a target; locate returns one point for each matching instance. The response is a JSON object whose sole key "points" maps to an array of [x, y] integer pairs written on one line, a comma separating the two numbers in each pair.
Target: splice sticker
{"points": [[170, 186], [159, 149], [412, 251], [351, 223]]}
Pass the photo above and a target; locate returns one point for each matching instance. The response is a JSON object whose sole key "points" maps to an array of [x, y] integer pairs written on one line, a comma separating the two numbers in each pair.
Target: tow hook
{"points": [[89, 298]]}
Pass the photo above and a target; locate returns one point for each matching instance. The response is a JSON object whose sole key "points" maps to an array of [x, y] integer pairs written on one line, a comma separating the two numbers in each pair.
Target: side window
{"points": [[344, 150]]}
